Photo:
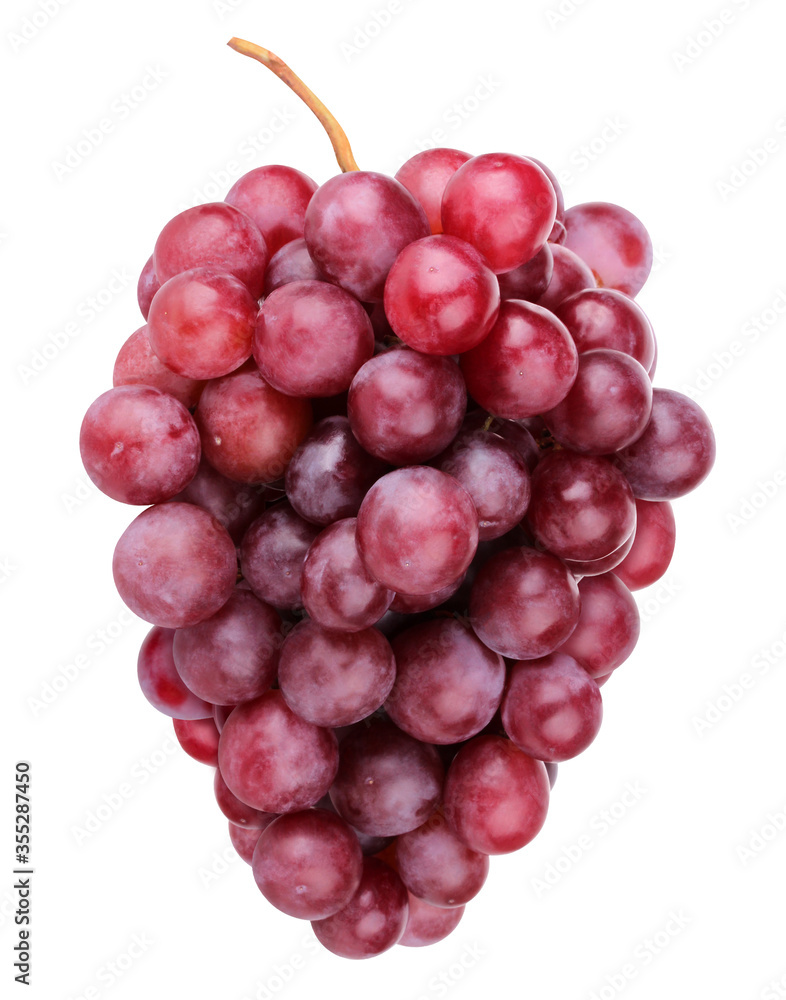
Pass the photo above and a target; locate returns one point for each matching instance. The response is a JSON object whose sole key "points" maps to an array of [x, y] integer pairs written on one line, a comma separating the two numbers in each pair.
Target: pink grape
{"points": [[139, 445], [525, 366], [494, 474], [613, 242], [335, 678], [373, 920], [441, 297], [160, 682], [582, 507], [417, 530], [427, 924], [272, 555], [201, 323], [175, 565], [249, 430], [356, 225], [569, 275], [291, 263], [272, 759], [605, 318], [387, 782], [608, 626], [448, 684], [437, 867], [238, 812], [232, 656], [405, 407], [653, 545], [606, 408], [244, 839], [524, 603], [136, 364], [552, 709], [530, 280], [198, 738], [308, 864], [330, 473], [311, 338], [425, 175], [337, 590], [504, 205], [276, 198], [234, 505], [215, 236], [674, 454], [147, 286], [496, 796]]}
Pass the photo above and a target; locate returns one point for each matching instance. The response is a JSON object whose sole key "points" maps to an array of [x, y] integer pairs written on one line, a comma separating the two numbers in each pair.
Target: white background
{"points": [[684, 118]]}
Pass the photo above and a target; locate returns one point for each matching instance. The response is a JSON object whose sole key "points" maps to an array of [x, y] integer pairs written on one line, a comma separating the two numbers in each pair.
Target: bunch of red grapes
{"points": [[403, 465]]}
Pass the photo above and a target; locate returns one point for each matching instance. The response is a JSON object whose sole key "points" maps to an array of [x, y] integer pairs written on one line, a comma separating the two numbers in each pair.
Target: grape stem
{"points": [[336, 133]]}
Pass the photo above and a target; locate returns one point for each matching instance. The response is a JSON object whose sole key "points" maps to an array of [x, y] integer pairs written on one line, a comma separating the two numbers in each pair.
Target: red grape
{"points": [[139, 445], [441, 297], [311, 338], [604, 318], [448, 684], [291, 263], [596, 567], [147, 286], [199, 738], [496, 796], [337, 590], [427, 924], [308, 864], [201, 323], [425, 175], [674, 454], [405, 407], [530, 280], [136, 364], [244, 840], [249, 430], [613, 242], [273, 760], [417, 530], [437, 867], [272, 555], [232, 656], [175, 565], [161, 683], [552, 709], [526, 365], [524, 603], [234, 505], [238, 812], [335, 678], [504, 205], [373, 920], [608, 626], [276, 198], [357, 223], [569, 275], [653, 545], [215, 236]]}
